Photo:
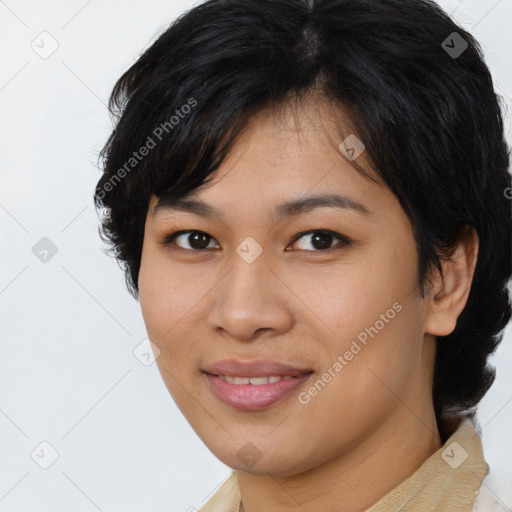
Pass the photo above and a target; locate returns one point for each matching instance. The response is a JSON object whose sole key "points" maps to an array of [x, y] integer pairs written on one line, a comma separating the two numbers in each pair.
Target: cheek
{"points": [[168, 298], [382, 346], [352, 297], [374, 304], [156, 291]]}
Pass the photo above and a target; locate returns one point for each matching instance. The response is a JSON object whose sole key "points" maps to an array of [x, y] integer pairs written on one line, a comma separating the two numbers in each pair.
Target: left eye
{"points": [[320, 240]]}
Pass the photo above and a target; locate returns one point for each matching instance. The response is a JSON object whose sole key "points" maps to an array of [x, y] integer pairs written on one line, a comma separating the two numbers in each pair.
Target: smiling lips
{"points": [[253, 385]]}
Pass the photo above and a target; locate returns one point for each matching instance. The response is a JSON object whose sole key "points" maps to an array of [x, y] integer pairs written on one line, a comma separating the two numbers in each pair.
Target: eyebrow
{"points": [[294, 207]]}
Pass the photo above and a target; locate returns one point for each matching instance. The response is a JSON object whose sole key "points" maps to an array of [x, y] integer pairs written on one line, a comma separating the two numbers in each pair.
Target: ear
{"points": [[449, 294]]}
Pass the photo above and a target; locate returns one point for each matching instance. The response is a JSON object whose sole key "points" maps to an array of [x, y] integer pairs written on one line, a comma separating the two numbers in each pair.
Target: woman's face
{"points": [[339, 313]]}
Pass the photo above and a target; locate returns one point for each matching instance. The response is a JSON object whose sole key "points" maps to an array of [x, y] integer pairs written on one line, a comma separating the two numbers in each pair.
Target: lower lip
{"points": [[253, 397]]}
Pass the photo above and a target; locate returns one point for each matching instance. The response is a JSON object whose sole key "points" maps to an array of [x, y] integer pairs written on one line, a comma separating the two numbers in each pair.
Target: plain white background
{"points": [[68, 374]]}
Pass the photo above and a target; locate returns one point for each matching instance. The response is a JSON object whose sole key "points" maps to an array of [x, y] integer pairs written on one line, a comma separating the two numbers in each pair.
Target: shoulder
{"points": [[226, 498], [486, 500]]}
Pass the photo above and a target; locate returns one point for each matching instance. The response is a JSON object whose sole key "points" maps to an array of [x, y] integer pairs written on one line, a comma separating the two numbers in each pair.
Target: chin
{"points": [[250, 459]]}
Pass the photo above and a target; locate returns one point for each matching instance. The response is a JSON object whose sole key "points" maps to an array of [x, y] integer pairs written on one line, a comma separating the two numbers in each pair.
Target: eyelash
{"points": [[344, 241]]}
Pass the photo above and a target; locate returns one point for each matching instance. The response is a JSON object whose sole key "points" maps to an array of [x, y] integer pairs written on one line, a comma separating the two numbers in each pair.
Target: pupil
{"points": [[321, 236], [196, 236]]}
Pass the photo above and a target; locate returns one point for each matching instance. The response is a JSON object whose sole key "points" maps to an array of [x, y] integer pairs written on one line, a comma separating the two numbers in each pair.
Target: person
{"points": [[309, 200]]}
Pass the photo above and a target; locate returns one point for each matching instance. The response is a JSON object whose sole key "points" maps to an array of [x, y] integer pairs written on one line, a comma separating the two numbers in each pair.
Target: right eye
{"points": [[197, 240]]}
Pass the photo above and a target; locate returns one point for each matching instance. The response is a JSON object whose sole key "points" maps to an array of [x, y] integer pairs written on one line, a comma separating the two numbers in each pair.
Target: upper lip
{"points": [[253, 368]]}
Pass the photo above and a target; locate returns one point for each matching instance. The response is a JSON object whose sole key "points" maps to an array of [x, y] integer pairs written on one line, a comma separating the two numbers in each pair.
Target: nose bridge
{"points": [[248, 299], [249, 273]]}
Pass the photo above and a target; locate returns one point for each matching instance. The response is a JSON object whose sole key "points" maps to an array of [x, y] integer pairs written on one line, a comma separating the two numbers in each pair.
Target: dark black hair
{"points": [[417, 91]]}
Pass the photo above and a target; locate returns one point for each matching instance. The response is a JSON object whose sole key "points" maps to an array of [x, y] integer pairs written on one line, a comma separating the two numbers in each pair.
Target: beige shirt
{"points": [[448, 481]]}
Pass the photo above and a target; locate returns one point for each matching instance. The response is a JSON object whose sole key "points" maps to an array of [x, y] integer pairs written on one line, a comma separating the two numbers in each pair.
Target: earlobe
{"points": [[449, 293]]}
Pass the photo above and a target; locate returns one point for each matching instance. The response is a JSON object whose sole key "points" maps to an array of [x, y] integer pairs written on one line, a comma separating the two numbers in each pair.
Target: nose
{"points": [[250, 300]]}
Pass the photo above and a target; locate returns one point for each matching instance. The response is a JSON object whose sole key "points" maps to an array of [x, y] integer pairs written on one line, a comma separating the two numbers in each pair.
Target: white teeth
{"points": [[254, 380], [259, 380]]}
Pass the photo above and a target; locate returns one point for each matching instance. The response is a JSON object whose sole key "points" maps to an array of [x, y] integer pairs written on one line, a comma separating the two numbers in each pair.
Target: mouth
{"points": [[253, 385], [255, 381]]}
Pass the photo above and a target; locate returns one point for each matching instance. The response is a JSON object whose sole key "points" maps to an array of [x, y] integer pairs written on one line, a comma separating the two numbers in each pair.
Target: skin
{"points": [[302, 305]]}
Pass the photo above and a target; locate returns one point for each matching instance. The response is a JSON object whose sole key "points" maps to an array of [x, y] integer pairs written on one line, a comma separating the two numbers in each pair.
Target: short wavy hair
{"points": [[420, 97]]}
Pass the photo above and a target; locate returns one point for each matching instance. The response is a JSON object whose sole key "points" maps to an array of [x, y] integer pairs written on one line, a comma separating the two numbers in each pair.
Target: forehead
{"points": [[288, 160]]}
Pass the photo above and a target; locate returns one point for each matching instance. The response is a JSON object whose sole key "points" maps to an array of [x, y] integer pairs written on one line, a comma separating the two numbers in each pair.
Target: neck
{"points": [[355, 479]]}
